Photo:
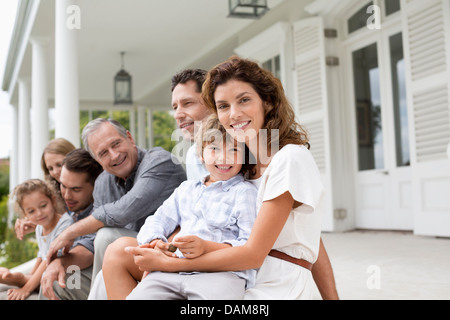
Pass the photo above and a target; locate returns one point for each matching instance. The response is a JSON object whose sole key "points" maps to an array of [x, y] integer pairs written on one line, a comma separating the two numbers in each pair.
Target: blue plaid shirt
{"points": [[223, 212]]}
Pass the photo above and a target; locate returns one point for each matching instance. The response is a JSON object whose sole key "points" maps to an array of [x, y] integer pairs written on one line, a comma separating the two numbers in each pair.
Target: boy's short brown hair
{"points": [[211, 130]]}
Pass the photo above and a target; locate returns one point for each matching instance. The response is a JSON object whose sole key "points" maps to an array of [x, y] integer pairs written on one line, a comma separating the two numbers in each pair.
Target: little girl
{"points": [[35, 200]]}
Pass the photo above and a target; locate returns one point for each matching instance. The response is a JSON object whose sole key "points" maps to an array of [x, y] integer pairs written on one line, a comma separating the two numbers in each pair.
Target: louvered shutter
{"points": [[426, 26], [311, 96]]}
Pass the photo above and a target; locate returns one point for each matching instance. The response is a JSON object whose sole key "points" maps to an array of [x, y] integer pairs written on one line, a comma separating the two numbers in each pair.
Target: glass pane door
{"points": [[399, 100], [366, 76]]}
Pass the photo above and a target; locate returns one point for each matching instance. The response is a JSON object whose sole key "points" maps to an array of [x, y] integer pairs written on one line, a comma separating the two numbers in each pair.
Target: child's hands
{"points": [[139, 254], [145, 274], [190, 246], [161, 246]]}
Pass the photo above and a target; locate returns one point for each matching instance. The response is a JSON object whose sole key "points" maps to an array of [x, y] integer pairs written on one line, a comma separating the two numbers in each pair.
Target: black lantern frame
{"points": [[247, 8], [123, 86]]}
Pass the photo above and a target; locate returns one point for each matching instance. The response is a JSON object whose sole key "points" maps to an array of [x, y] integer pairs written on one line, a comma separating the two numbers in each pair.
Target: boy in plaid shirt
{"points": [[213, 213]]}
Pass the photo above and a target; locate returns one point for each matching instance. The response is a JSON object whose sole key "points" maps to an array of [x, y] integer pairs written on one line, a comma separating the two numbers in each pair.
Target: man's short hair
{"points": [[94, 125], [80, 161], [197, 75]]}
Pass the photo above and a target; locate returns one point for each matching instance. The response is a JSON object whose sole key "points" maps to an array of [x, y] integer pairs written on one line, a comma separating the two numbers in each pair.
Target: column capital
{"points": [[39, 40], [24, 79]]}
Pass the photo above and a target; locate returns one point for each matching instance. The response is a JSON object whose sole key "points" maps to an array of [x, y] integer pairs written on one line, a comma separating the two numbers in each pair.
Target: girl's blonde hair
{"points": [[28, 187]]}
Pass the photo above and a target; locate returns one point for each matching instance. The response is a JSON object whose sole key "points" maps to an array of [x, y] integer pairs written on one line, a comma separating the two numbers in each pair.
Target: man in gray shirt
{"points": [[135, 182]]}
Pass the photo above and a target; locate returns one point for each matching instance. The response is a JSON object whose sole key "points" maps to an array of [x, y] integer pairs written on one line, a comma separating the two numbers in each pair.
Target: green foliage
{"points": [[163, 127], [3, 218], [84, 120], [123, 117], [13, 251], [4, 191], [4, 180]]}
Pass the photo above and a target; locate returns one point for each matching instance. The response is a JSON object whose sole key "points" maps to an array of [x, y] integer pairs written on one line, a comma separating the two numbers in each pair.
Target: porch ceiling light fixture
{"points": [[248, 8], [122, 85]]}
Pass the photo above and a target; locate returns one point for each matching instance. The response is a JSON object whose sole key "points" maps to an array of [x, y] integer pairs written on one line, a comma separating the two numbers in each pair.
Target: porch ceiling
{"points": [[159, 38]]}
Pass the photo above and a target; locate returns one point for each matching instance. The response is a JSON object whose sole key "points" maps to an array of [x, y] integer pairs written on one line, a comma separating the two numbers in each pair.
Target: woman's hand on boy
{"points": [[190, 246]]}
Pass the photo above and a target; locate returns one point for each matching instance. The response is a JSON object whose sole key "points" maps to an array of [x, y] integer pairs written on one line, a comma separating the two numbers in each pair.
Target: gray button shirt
{"points": [[126, 204], [87, 240]]}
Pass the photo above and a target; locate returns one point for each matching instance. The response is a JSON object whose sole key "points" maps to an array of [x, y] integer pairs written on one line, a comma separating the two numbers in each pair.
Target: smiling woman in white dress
{"points": [[285, 238]]}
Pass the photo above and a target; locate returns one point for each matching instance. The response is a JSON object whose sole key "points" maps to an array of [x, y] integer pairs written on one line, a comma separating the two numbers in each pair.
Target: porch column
{"points": [[150, 128], [448, 151], [14, 158], [132, 114], [67, 107], [39, 105], [141, 127], [13, 163], [24, 135]]}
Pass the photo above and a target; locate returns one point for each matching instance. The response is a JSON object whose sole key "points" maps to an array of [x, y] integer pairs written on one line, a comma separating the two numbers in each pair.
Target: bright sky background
{"points": [[8, 10]]}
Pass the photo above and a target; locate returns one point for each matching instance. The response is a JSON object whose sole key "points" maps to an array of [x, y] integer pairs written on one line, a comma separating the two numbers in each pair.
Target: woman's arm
{"points": [[193, 246], [66, 238], [322, 273], [268, 225]]}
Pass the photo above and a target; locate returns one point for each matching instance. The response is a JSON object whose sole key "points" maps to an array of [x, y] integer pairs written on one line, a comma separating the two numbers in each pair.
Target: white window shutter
{"points": [[311, 87], [311, 100], [426, 26]]}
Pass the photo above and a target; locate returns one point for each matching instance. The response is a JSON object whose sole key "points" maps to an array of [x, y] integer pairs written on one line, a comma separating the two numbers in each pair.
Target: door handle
{"points": [[383, 172]]}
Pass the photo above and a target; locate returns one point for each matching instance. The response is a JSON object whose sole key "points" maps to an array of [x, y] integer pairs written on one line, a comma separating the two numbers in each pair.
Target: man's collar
{"points": [[122, 182], [83, 213]]}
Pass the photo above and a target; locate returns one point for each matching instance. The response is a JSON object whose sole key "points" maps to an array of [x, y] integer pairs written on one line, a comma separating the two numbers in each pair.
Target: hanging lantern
{"points": [[122, 86], [248, 8]]}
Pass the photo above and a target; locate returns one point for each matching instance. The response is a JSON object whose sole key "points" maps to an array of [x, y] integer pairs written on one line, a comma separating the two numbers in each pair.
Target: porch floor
{"points": [[385, 265], [408, 267]]}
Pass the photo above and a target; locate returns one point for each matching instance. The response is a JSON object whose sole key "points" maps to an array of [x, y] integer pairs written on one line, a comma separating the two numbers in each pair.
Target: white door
{"points": [[427, 52], [377, 98]]}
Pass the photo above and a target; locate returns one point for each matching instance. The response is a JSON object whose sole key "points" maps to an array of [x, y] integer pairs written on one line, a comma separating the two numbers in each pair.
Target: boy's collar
{"points": [[227, 184]]}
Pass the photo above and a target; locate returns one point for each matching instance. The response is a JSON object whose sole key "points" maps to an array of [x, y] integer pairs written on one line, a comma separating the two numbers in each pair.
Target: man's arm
{"points": [[323, 275], [163, 223], [79, 256], [22, 227], [56, 270], [66, 238], [154, 183]]}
